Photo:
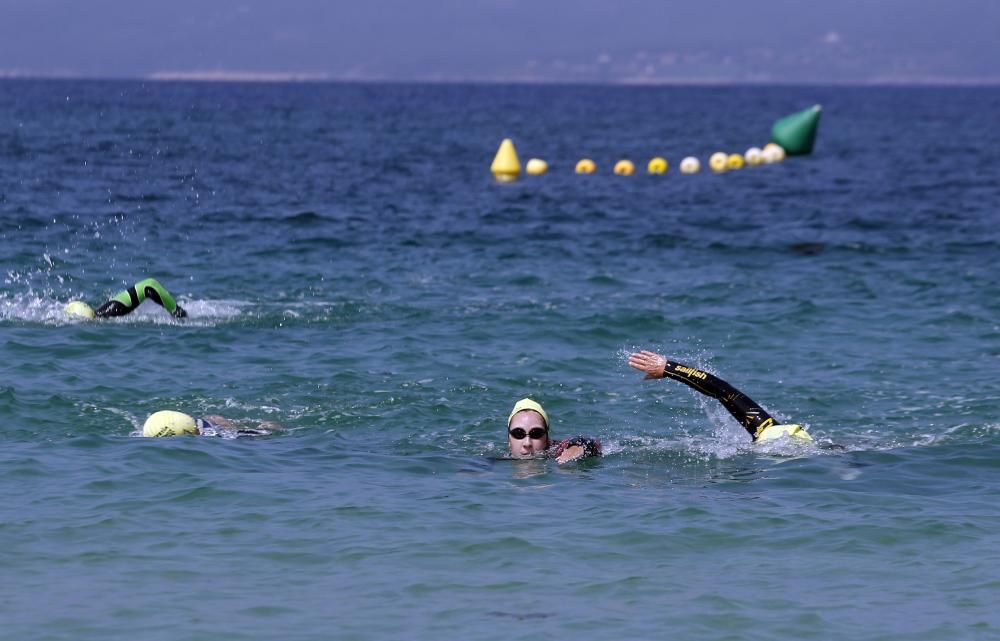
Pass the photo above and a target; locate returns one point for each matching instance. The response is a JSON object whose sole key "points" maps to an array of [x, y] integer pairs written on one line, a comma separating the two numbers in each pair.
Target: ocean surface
{"points": [[352, 272]]}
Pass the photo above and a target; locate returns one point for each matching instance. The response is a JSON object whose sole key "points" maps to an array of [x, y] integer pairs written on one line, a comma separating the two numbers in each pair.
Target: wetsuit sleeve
{"points": [[591, 447], [126, 301], [751, 416]]}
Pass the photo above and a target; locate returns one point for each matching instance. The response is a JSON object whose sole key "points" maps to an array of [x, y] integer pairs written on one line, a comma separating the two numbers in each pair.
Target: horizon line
{"points": [[264, 77]]}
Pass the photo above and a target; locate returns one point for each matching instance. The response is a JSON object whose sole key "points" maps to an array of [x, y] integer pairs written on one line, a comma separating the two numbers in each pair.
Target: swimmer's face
{"points": [[527, 424]]}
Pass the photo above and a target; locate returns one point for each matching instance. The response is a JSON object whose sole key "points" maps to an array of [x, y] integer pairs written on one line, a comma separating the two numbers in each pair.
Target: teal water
{"points": [[353, 273]]}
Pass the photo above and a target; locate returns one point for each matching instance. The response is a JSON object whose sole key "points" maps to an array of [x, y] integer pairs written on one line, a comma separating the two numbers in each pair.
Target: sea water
{"points": [[352, 272]]}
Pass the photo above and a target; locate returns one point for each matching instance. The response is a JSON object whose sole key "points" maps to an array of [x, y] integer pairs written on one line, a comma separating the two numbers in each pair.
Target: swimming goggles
{"points": [[536, 433]]}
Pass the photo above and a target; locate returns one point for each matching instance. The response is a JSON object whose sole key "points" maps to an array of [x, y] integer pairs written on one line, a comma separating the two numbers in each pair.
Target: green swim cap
{"points": [[79, 309], [791, 430], [527, 404], [169, 423]]}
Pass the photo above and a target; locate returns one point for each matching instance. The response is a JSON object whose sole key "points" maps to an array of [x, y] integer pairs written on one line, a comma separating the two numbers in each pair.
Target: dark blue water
{"points": [[353, 272]]}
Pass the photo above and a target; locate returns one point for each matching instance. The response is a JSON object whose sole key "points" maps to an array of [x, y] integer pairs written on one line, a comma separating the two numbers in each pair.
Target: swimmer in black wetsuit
{"points": [[125, 302], [755, 420], [171, 423], [528, 436]]}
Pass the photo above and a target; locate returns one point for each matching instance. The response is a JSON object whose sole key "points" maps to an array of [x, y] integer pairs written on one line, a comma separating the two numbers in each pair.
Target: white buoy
{"points": [[717, 161], [536, 167], [773, 152], [690, 165], [753, 156]]}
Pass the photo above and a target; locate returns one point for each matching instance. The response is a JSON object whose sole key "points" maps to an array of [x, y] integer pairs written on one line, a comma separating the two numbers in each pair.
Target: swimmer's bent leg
{"points": [[126, 301]]}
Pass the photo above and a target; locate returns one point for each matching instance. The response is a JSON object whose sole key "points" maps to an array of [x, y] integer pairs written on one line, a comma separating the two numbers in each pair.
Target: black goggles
{"points": [[536, 433]]}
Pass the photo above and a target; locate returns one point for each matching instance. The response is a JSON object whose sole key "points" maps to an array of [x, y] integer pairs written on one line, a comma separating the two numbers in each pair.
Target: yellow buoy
{"points": [[753, 156], [734, 161], [690, 165], [506, 167], [536, 167], [657, 165], [717, 161], [773, 152], [624, 168], [586, 166]]}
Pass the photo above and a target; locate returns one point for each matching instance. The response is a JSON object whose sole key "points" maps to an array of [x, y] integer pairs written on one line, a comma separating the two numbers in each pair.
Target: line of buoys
{"points": [[507, 169], [792, 135]]}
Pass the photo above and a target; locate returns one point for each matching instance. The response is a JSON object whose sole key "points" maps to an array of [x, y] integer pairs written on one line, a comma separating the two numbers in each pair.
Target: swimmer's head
{"points": [[169, 423], [791, 430], [527, 429], [79, 309]]}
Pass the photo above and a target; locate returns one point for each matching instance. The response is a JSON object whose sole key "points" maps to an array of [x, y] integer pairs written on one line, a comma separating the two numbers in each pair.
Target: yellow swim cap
{"points": [[79, 308], [792, 430], [169, 423], [527, 404]]}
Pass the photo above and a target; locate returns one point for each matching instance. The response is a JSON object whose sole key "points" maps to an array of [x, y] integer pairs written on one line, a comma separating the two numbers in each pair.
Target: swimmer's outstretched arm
{"points": [[575, 448], [126, 301], [751, 416]]}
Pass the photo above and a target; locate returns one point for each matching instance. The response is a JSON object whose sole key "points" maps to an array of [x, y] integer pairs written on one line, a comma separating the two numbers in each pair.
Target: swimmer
{"points": [[528, 436], [760, 425], [171, 423], [125, 302]]}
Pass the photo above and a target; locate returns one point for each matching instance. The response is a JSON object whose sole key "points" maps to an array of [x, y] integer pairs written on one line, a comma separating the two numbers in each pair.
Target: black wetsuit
{"points": [[126, 301], [751, 416]]}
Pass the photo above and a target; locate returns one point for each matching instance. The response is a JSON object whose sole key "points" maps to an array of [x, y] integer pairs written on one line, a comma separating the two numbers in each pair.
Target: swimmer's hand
{"points": [[571, 453], [179, 312], [652, 363]]}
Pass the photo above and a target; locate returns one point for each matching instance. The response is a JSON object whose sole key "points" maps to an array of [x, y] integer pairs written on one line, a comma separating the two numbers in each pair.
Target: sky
{"points": [[623, 41]]}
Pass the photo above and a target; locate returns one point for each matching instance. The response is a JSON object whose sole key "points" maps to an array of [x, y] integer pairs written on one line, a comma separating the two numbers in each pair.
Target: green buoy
{"points": [[796, 133]]}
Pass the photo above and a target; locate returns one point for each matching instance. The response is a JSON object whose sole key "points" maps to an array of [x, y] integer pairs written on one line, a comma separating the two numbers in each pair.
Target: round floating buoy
{"points": [[506, 167], [657, 165], [624, 168], [586, 166], [717, 161], [772, 153], [734, 161], [536, 167], [753, 156], [690, 165]]}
